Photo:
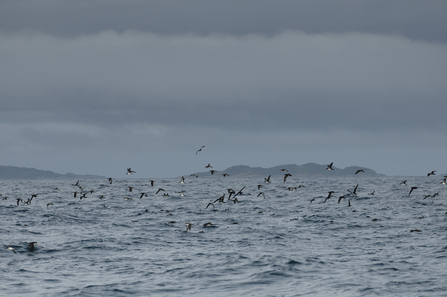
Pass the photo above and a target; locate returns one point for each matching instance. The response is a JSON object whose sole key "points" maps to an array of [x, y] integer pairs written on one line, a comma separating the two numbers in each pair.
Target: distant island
{"points": [[309, 169], [13, 173]]}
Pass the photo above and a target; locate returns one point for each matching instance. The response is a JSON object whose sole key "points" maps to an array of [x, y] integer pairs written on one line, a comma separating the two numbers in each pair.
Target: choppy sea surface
{"points": [[279, 243]]}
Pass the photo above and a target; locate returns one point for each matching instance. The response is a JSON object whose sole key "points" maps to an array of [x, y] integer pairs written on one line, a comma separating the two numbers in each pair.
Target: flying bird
{"points": [[328, 196], [130, 171], [358, 171], [188, 226], [412, 188], [200, 149], [267, 180], [329, 167], [355, 190], [208, 166], [431, 173], [31, 245], [220, 199], [152, 182], [286, 175], [11, 249]]}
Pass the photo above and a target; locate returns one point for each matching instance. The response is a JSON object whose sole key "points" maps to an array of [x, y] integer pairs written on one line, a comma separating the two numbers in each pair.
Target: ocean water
{"points": [[386, 244]]}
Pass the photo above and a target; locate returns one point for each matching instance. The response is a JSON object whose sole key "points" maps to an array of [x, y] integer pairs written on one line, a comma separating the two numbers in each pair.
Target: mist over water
{"points": [[386, 244]]}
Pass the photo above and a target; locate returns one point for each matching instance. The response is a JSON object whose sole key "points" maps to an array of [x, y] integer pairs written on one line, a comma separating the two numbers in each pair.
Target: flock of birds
{"points": [[230, 196]]}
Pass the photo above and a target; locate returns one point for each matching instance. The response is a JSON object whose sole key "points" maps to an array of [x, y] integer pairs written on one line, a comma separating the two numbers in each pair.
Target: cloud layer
{"points": [[103, 100]]}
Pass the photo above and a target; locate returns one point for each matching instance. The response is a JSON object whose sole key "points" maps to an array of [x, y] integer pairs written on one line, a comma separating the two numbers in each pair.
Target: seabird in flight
{"points": [[182, 181], [358, 171], [9, 248], [143, 194], [130, 171], [431, 173], [412, 188], [110, 180], [208, 166], [329, 167], [159, 189], [355, 190], [267, 180], [152, 182], [220, 199], [212, 171], [329, 196], [404, 182], [200, 149], [188, 226], [286, 175], [31, 245]]}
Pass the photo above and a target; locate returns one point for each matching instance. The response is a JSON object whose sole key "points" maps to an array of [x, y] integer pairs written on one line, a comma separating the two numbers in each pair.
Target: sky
{"points": [[97, 86]]}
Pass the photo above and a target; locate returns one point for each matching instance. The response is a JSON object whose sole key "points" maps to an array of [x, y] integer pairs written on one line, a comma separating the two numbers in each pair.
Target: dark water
{"points": [[280, 245]]}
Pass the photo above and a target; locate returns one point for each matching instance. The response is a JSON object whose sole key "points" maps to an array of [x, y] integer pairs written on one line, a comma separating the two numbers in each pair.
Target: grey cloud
{"points": [[289, 81], [422, 20]]}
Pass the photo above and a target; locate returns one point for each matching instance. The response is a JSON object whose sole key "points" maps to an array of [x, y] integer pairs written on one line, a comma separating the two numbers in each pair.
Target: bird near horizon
{"points": [[329, 167], [130, 171]]}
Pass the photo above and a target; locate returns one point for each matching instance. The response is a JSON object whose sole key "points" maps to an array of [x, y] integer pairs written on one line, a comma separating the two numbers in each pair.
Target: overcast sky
{"points": [[98, 86]]}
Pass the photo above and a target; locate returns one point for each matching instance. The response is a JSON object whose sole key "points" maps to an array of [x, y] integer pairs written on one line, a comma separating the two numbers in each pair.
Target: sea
{"points": [[284, 238]]}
